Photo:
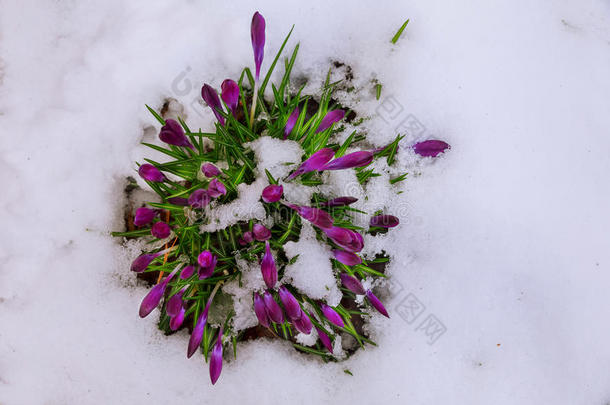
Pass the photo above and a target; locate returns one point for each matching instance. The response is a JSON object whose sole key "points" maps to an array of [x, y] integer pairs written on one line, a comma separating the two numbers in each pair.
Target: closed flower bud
{"points": [[352, 284], [356, 159], [230, 94], [216, 188], [257, 34], [268, 269], [144, 216], [347, 258], [384, 221], [260, 310], [315, 162], [272, 193], [261, 232], [210, 96], [303, 324], [183, 202], [332, 315], [348, 239], [329, 119], [187, 272], [207, 263], [160, 230], [376, 303], [199, 198], [142, 262], [339, 201], [197, 334], [430, 148], [325, 340], [150, 173], [209, 170], [316, 216], [291, 121], [173, 134], [246, 238], [291, 305], [176, 321], [152, 299], [273, 308], [174, 304], [216, 359]]}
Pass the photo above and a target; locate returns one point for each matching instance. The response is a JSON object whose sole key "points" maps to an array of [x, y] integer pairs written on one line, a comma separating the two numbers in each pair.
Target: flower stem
{"points": [[254, 100]]}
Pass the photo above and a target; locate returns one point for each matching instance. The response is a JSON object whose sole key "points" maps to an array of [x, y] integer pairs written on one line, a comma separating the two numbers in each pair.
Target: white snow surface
{"points": [[503, 241]]}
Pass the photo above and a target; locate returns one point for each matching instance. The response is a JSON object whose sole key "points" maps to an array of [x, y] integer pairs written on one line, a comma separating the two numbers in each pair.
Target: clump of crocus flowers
{"points": [[189, 267]]}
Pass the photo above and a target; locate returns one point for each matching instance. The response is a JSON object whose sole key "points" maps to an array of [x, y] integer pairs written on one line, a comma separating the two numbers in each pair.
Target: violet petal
{"points": [[197, 334], [268, 268], [430, 148], [160, 230], [199, 198], [332, 315], [230, 94], [173, 134], [291, 121], [376, 303], [384, 221], [325, 340], [210, 96], [216, 188], [330, 118], [273, 308], [260, 311], [291, 305], [257, 34], [355, 159], [261, 232], [216, 359], [303, 324], [339, 201], [141, 262], [150, 173], [315, 162], [144, 216], [176, 321], [352, 284], [347, 258], [209, 170], [272, 193]]}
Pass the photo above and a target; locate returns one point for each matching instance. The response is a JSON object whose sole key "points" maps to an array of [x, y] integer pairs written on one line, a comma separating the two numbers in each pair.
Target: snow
{"points": [[503, 239]]}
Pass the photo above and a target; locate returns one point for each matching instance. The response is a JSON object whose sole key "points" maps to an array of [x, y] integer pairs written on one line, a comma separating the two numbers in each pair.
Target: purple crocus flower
{"points": [[315, 162], [199, 198], [197, 334], [173, 134], [257, 34], [174, 304], [272, 193], [144, 216], [348, 239], [352, 284], [332, 315], [207, 263], [176, 321], [187, 272], [210, 96], [216, 188], [303, 324], [246, 238], [230, 94], [261, 232], [216, 359], [316, 216], [291, 305], [291, 121], [260, 311], [430, 148], [160, 230], [355, 159], [347, 258], [325, 340], [384, 221], [209, 170], [273, 308], [339, 201], [268, 268], [183, 202], [142, 262], [150, 173], [376, 303], [330, 118], [152, 299]]}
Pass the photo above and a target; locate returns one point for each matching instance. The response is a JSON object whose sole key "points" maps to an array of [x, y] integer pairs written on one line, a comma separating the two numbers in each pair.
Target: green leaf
{"points": [[399, 32]]}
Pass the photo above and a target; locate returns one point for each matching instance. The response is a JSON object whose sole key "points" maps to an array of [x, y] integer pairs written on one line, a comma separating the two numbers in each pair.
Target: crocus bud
{"points": [[272, 193], [376, 303], [173, 134], [174, 304], [216, 359], [315, 162], [197, 334], [348, 239], [150, 173], [142, 262], [356, 159], [187, 272], [273, 308], [230, 94], [210, 96], [316, 216], [431, 148], [261, 232], [325, 340], [176, 321], [246, 238], [152, 299], [268, 268], [260, 311], [207, 263], [339, 201], [384, 221], [330, 118], [257, 34], [183, 202], [347, 258], [160, 230], [291, 121], [216, 188], [144, 216], [352, 284], [303, 324], [199, 198], [209, 170], [291, 305], [332, 315]]}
